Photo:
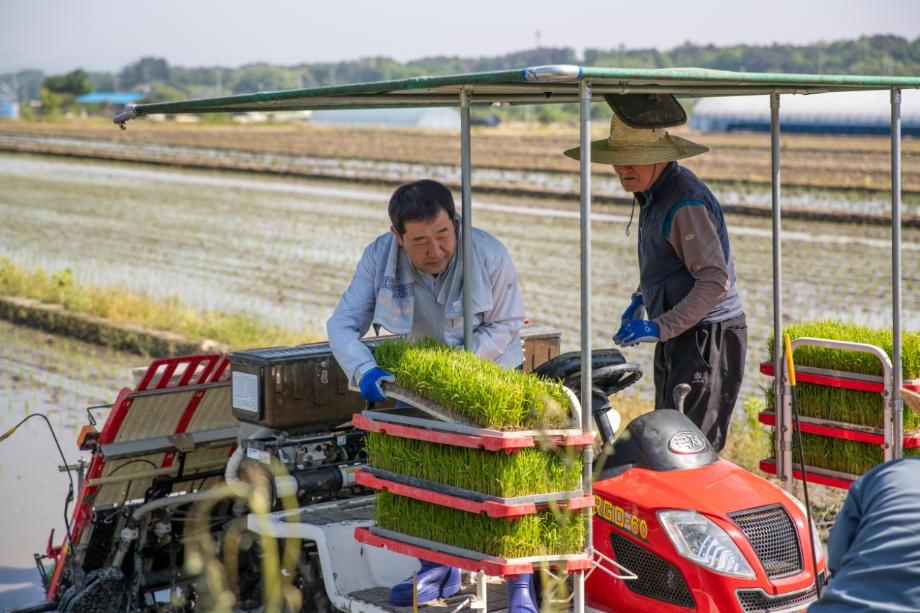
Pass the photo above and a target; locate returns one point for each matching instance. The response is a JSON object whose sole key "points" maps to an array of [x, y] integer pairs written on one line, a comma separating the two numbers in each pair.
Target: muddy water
{"points": [[59, 377]]}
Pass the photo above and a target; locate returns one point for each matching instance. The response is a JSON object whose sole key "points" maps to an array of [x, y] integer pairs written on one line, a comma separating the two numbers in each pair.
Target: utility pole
{"points": [[538, 38]]}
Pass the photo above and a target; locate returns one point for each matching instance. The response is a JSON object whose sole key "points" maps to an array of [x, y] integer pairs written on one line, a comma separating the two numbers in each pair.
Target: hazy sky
{"points": [[61, 35]]}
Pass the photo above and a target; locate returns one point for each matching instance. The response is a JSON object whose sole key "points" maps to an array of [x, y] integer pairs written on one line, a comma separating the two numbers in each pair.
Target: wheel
{"points": [[104, 591]]}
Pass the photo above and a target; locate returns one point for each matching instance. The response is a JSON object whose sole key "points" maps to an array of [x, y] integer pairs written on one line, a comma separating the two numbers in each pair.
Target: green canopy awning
{"points": [[534, 85]]}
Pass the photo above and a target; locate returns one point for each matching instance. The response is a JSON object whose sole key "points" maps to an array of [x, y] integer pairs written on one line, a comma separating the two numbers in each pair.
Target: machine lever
{"points": [[680, 395]]}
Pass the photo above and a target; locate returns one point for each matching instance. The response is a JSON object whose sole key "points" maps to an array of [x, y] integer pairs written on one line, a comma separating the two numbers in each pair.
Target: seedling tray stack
{"points": [[841, 402], [477, 487]]}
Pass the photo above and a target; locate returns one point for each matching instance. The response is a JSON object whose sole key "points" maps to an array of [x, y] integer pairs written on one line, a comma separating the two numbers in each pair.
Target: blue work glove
{"points": [[637, 331], [635, 310], [370, 384]]}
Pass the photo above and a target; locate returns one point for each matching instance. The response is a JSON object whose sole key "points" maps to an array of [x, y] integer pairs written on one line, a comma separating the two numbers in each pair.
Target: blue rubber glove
{"points": [[637, 331], [635, 310], [370, 384]]}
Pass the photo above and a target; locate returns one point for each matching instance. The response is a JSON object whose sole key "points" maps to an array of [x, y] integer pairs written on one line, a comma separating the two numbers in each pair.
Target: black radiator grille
{"points": [[773, 536], [658, 578], [758, 601]]}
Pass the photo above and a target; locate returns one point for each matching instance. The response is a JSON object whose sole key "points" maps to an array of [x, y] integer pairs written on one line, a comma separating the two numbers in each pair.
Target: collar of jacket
{"points": [[645, 198]]}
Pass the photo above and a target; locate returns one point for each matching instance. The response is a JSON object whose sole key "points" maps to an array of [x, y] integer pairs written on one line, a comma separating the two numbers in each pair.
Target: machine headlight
{"points": [[701, 541], [819, 546]]}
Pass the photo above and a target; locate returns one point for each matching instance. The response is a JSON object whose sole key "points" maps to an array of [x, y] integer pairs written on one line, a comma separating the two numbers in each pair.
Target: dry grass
{"points": [[238, 331]]}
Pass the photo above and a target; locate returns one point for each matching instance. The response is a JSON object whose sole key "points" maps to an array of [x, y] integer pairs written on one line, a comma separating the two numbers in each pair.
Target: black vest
{"points": [[664, 279]]}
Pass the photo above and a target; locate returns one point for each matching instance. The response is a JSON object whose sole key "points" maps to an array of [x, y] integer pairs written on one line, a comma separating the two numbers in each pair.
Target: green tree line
{"points": [[879, 54]]}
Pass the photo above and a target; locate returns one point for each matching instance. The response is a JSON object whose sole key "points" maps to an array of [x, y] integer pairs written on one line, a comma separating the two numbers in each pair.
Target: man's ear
{"points": [[399, 240]]}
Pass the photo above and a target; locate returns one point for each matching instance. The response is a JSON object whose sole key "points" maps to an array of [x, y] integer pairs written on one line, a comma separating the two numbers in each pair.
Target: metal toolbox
{"points": [[298, 388]]}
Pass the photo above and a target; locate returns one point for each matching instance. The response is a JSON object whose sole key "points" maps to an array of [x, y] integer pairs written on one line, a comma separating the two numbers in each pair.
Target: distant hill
{"points": [[880, 54]]}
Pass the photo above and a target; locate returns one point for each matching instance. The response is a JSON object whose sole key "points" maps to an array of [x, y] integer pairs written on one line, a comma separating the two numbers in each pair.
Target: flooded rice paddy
{"points": [[59, 377], [828, 197], [285, 249]]}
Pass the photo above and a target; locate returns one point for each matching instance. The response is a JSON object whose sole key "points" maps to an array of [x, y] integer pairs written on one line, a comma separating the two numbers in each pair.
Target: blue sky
{"points": [[61, 35]]}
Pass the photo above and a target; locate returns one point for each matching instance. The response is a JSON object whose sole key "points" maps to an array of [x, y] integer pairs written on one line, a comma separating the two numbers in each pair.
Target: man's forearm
{"points": [[708, 290]]}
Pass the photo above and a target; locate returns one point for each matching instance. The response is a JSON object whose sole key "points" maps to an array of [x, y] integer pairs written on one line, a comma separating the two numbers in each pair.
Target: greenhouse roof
{"points": [[534, 85]]}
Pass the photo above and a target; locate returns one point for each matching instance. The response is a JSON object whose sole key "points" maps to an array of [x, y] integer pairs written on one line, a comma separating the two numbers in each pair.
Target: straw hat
{"points": [[638, 146]]}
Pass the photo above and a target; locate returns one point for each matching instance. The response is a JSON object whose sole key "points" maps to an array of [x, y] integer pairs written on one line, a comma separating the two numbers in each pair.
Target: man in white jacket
{"points": [[410, 281]]}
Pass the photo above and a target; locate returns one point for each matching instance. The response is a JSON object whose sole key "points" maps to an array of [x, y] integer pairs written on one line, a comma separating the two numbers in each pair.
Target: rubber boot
{"points": [[521, 596], [434, 581]]}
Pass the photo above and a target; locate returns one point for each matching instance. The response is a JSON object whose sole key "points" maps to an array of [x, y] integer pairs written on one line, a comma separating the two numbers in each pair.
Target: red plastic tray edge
{"points": [[491, 508], [908, 442], [769, 467], [491, 567], [487, 442]]}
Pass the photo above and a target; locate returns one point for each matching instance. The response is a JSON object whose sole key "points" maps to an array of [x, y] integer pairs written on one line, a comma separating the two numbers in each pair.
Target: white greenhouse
{"points": [[436, 118], [867, 112]]}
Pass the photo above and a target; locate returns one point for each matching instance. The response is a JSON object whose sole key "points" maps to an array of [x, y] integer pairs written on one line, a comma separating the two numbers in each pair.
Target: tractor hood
{"points": [[716, 489]]}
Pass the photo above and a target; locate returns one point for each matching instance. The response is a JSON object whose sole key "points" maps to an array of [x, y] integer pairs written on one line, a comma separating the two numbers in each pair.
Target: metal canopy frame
{"points": [[534, 85], [584, 85]]}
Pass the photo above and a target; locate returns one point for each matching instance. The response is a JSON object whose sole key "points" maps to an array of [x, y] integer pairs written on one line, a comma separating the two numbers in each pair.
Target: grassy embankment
{"points": [[122, 307]]}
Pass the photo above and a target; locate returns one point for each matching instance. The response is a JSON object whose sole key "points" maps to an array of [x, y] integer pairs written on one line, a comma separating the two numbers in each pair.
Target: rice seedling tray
{"points": [[467, 559], [837, 378], [468, 500], [406, 424], [837, 429], [821, 476]]}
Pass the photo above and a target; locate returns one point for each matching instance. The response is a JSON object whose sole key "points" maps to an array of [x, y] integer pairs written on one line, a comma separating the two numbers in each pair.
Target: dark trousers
{"points": [[709, 357]]}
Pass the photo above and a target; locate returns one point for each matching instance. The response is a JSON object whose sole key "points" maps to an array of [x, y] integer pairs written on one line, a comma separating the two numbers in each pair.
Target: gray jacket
{"points": [[874, 549]]}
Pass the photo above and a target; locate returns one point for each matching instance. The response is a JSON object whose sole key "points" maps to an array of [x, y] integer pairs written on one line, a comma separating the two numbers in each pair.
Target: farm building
{"points": [[431, 118], [839, 113]]}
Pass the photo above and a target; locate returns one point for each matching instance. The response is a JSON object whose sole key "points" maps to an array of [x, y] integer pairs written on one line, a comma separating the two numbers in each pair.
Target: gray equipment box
{"points": [[299, 388]]}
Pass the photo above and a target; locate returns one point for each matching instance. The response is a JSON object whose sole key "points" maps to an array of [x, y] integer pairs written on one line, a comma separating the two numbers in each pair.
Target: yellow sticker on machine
{"points": [[621, 518]]}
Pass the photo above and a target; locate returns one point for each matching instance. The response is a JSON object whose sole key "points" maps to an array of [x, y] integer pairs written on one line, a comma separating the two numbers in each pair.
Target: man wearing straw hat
{"points": [[686, 276]]}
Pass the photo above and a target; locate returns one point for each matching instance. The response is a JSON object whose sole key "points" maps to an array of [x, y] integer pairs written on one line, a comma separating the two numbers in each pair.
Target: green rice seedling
{"points": [[845, 405], [842, 455], [486, 393], [506, 475], [530, 535], [851, 361]]}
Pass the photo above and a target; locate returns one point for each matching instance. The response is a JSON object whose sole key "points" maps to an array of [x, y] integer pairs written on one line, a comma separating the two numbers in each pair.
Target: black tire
{"points": [[611, 379], [104, 591], [564, 365]]}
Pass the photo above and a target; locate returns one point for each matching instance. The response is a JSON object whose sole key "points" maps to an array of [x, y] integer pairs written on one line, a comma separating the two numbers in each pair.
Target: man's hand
{"points": [[371, 389], [637, 331], [635, 310]]}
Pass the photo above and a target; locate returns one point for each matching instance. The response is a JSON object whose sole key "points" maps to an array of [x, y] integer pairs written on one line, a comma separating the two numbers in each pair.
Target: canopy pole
{"points": [[897, 407], [783, 411], [467, 215], [584, 126]]}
